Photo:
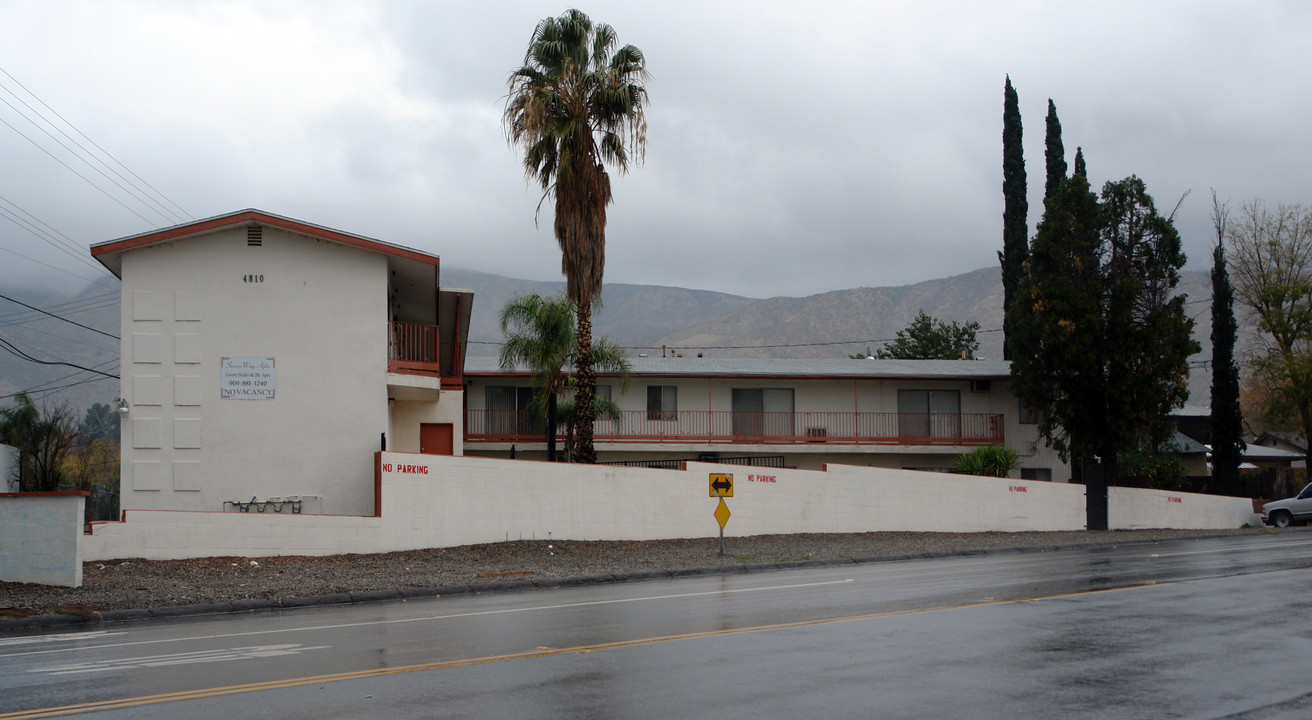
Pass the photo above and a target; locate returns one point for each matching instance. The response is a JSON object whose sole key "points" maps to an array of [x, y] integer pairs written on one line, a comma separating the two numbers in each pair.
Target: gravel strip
{"points": [[224, 584]]}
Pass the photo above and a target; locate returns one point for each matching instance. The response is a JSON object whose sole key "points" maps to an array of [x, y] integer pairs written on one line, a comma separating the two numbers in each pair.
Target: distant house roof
{"points": [[753, 368], [110, 253], [1261, 453], [1276, 439], [1182, 444]]}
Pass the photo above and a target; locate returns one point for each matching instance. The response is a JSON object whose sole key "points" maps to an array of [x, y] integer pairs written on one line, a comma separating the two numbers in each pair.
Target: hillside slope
{"points": [[645, 319]]}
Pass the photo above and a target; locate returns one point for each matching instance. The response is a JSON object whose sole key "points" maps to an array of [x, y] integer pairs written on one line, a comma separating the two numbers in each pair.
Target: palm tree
{"points": [[540, 337], [575, 105]]}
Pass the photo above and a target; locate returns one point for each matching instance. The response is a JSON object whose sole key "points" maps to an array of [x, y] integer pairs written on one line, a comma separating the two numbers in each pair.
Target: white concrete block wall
{"points": [[41, 537], [432, 501], [1132, 508]]}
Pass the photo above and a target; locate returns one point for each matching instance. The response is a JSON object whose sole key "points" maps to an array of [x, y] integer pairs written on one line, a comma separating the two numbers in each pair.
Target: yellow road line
{"points": [[538, 653]]}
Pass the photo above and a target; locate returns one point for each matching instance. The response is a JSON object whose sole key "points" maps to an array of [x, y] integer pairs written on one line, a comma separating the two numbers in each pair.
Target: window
{"points": [[760, 412], [929, 413], [602, 391], [662, 402], [1044, 474], [507, 410]]}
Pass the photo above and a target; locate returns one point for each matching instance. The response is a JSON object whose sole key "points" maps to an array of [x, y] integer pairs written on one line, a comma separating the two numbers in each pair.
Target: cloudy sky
{"points": [[791, 150]]}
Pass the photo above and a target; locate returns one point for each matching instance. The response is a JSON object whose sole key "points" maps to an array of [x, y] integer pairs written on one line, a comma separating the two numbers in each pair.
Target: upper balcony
{"points": [[427, 331], [724, 426], [412, 346]]}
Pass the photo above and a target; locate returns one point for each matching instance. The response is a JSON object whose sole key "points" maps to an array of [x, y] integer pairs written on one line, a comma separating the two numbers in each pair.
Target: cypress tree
{"points": [[1015, 213], [1106, 343], [1079, 163], [1054, 154], [1226, 424]]}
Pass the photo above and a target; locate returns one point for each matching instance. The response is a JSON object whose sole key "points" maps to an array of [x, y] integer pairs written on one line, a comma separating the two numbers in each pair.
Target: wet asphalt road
{"points": [[1196, 629]]}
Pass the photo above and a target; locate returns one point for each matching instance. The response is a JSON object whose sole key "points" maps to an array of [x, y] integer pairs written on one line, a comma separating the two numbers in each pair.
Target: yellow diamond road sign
{"points": [[721, 484], [722, 513]]}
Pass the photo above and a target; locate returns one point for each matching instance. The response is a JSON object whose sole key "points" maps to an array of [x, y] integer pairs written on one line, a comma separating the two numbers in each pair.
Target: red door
{"points": [[437, 439]]}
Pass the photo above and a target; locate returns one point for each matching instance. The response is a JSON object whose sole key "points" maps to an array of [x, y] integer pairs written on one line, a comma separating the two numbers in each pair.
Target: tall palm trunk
{"points": [[551, 426], [584, 408]]}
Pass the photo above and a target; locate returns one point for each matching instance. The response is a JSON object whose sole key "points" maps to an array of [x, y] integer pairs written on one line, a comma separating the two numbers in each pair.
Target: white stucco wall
{"points": [[430, 501], [40, 538], [407, 416], [842, 395], [318, 308]]}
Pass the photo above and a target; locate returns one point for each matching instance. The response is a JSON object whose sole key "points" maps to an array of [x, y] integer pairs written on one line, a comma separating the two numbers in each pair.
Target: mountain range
{"points": [[644, 319]]}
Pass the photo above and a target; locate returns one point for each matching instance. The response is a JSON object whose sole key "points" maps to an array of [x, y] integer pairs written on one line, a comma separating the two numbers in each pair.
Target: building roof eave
{"points": [[109, 253]]}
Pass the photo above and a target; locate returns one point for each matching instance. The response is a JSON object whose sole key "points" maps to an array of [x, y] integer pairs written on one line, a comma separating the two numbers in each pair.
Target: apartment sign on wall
{"points": [[247, 378]]}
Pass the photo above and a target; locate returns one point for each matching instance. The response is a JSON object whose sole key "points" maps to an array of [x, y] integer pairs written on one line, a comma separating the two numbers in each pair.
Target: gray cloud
{"points": [[792, 150]]}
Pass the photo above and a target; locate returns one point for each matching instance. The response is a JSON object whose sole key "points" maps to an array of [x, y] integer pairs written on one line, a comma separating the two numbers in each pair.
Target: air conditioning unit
{"points": [[981, 386], [817, 432]]}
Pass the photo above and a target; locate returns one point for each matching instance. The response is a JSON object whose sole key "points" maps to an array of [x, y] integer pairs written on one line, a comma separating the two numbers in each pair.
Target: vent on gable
{"points": [[254, 236]]}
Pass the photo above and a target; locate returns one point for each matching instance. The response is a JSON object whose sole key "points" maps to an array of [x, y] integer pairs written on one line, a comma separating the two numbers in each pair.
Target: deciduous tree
{"points": [[1272, 266], [43, 436], [928, 338]]}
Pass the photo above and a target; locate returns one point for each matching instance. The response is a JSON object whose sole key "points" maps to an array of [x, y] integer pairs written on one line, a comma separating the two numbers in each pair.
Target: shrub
{"points": [[1159, 471], [992, 460]]}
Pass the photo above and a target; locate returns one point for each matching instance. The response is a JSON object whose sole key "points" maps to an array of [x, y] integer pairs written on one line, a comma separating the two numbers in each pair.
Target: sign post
{"points": [[722, 487]]}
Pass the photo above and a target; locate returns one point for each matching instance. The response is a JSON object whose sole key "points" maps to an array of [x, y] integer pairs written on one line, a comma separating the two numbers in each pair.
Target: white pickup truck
{"points": [[1295, 510]]}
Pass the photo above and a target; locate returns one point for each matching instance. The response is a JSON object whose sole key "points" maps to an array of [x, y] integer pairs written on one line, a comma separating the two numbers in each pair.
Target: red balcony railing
{"points": [[723, 426], [412, 346]]}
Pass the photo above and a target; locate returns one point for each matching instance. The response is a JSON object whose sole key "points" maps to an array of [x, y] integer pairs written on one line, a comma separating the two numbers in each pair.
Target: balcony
{"points": [[412, 347], [723, 426]]}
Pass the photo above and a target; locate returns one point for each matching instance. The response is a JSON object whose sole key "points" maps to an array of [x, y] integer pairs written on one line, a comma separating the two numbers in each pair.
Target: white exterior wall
{"points": [[407, 416], [430, 501], [320, 312], [843, 395], [40, 538]]}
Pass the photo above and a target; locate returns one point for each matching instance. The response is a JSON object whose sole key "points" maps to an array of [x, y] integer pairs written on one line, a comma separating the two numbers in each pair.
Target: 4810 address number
{"points": [[252, 278]]}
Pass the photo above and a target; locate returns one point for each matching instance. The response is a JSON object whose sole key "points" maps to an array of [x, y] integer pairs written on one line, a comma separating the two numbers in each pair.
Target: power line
{"points": [[84, 136], [29, 222], [98, 366], [146, 202], [52, 267], [75, 172], [23, 317], [746, 347], [43, 388], [14, 350], [57, 317], [47, 391], [48, 230], [69, 307]]}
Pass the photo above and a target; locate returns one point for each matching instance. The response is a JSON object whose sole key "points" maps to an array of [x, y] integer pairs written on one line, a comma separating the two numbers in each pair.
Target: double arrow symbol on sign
{"points": [[721, 484]]}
